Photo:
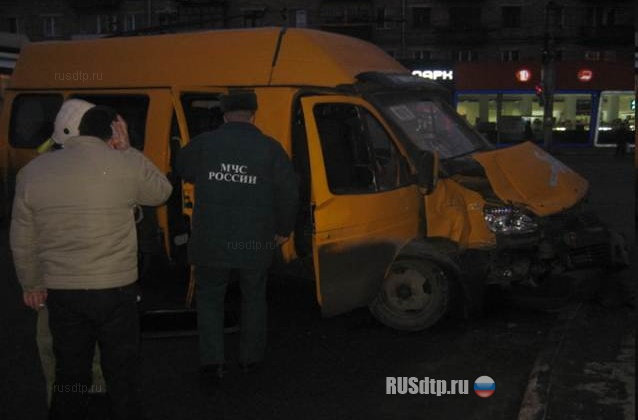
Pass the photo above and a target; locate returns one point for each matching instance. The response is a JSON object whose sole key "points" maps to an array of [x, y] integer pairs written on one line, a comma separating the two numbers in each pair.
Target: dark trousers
{"points": [[79, 319], [211, 290]]}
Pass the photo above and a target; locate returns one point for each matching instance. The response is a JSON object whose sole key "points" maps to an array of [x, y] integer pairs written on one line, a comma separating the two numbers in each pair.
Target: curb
{"points": [[539, 384]]}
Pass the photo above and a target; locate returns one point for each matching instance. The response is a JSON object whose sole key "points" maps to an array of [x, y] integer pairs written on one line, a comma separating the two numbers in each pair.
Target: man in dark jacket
{"points": [[245, 206]]}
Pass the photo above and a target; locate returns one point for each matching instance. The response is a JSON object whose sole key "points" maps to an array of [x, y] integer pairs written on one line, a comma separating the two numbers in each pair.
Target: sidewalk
{"points": [[587, 367]]}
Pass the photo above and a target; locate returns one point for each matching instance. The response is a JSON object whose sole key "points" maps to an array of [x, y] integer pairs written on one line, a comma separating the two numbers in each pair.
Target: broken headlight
{"points": [[508, 220]]}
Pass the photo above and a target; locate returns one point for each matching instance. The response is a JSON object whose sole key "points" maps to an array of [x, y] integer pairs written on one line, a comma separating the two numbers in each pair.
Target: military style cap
{"points": [[238, 100]]}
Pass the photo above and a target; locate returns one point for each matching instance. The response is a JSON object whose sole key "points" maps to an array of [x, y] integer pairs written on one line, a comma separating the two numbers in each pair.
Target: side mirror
{"points": [[427, 166]]}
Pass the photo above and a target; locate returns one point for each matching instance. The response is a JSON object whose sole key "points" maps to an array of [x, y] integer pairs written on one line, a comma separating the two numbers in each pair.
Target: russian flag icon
{"points": [[484, 386]]}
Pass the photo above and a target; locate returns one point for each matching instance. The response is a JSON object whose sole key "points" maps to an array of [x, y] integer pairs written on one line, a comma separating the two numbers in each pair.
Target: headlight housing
{"points": [[509, 220]]}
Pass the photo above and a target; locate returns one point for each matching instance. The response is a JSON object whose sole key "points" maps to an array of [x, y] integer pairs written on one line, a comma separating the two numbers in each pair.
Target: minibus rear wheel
{"points": [[414, 296]]}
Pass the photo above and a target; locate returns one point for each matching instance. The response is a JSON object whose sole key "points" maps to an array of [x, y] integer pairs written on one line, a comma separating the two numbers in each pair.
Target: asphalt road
{"points": [[336, 368]]}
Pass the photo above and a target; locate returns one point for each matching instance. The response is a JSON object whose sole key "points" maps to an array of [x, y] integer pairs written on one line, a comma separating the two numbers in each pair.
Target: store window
{"points": [[520, 118], [480, 110], [517, 117], [616, 108], [572, 117]]}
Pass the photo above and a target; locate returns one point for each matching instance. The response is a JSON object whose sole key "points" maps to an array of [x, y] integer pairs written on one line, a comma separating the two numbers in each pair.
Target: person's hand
{"points": [[120, 139], [280, 240], [35, 299]]}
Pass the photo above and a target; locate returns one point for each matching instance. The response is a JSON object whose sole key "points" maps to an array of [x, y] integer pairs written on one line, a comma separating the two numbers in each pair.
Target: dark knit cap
{"points": [[97, 122], [238, 100]]}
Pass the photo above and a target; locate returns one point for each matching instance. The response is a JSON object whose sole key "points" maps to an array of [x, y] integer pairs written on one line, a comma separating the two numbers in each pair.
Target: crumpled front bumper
{"points": [[579, 240]]}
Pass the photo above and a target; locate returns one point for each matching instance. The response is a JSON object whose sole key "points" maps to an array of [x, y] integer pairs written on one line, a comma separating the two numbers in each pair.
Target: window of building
{"points": [[556, 16], [359, 155], [32, 118], [167, 18], [387, 18], [133, 108], [49, 26], [132, 21], [421, 54], [509, 55], [301, 18], [332, 13], [356, 13], [511, 16], [85, 24], [421, 17], [253, 17], [600, 16], [465, 55], [615, 108], [346, 12], [465, 17], [572, 113], [16, 25], [107, 24], [592, 55], [517, 117]]}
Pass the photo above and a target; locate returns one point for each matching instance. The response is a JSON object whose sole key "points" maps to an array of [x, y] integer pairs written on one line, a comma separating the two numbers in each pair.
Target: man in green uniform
{"points": [[246, 203]]}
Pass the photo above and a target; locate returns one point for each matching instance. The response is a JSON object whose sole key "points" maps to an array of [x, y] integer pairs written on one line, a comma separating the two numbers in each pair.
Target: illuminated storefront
{"points": [[502, 101]]}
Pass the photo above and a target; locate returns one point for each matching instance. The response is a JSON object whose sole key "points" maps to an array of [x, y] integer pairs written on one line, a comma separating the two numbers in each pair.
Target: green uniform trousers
{"points": [[211, 290]]}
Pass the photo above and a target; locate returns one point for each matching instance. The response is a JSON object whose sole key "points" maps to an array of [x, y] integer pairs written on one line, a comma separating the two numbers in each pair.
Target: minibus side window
{"points": [[346, 157], [359, 156], [133, 108], [32, 119], [391, 167], [202, 113]]}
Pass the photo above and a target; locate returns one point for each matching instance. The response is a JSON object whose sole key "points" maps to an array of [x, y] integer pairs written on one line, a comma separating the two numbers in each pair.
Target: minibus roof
{"points": [[237, 57]]}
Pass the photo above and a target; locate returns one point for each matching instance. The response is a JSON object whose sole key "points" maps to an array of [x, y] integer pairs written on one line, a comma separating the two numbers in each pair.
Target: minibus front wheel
{"points": [[414, 296]]}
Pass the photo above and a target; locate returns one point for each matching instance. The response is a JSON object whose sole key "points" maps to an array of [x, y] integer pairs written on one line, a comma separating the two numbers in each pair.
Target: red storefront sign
{"points": [[585, 75], [523, 75]]}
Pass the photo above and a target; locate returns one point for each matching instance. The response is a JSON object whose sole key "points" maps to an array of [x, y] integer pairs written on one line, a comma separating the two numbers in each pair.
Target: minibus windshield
{"points": [[431, 125]]}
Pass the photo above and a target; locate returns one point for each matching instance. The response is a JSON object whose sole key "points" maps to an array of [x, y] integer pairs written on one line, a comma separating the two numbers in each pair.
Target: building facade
{"points": [[443, 31], [439, 39]]}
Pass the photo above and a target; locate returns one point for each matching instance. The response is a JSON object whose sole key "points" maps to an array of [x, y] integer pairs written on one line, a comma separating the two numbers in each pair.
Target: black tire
{"points": [[414, 296]]}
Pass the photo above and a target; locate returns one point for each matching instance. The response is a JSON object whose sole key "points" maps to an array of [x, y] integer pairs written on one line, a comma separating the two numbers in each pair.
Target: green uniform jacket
{"points": [[245, 193]]}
